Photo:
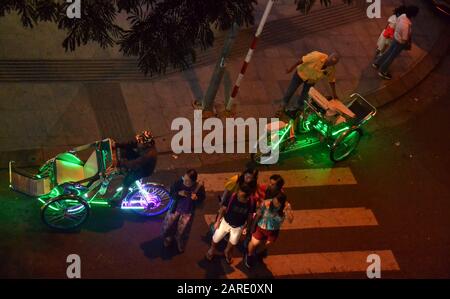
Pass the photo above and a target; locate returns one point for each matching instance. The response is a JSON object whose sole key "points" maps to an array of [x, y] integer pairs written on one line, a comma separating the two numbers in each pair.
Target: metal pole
{"points": [[249, 54]]}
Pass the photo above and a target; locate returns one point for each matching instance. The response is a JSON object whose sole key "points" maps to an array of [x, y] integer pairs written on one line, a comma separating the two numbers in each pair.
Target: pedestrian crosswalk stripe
{"points": [[293, 178], [324, 218], [314, 263]]}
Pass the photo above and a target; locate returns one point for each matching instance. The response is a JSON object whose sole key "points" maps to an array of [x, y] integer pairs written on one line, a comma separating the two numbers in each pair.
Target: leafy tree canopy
{"points": [[161, 33]]}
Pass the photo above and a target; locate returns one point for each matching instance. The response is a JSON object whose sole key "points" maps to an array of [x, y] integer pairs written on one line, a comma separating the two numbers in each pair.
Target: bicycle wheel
{"points": [[345, 144], [65, 212], [148, 199]]}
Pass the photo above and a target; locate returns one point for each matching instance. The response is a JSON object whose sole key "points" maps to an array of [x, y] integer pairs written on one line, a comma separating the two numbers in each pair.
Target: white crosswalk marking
{"points": [[316, 263], [324, 218], [293, 178]]}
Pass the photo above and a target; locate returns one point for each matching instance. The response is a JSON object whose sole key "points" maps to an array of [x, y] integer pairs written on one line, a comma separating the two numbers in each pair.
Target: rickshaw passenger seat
{"points": [[68, 172], [69, 169], [90, 168], [361, 110], [318, 99]]}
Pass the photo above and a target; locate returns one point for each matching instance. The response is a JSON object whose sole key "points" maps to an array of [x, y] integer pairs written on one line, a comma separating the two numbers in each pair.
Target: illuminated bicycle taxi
{"points": [[323, 120], [68, 185]]}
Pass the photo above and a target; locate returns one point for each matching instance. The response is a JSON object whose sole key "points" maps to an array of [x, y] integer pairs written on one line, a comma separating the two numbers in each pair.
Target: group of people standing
{"points": [[255, 211], [246, 209]]}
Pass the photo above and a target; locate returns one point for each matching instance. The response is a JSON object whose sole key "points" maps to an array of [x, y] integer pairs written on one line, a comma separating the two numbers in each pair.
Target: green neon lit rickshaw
{"points": [[340, 132], [68, 185]]}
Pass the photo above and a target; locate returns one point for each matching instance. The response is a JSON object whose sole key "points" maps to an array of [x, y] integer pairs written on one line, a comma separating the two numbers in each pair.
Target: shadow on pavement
{"points": [[104, 219], [368, 79], [194, 83], [154, 249], [218, 268]]}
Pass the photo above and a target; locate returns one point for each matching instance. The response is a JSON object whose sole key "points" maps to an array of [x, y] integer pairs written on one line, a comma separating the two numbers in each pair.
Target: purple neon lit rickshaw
{"points": [[70, 183]]}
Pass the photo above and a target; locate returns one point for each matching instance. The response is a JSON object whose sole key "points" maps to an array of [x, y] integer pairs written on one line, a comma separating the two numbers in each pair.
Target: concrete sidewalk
{"points": [[40, 119]]}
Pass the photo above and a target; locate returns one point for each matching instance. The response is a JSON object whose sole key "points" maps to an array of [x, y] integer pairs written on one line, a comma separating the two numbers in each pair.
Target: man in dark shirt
{"points": [[187, 193], [138, 161], [236, 212]]}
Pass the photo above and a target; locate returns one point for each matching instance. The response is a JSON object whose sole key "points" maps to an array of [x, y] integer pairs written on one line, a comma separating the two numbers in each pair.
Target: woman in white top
{"points": [[387, 35]]}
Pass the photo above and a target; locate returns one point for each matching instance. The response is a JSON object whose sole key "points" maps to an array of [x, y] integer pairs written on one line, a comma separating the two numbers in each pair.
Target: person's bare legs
{"points": [[263, 246], [229, 252], [252, 248], [212, 251], [254, 243]]}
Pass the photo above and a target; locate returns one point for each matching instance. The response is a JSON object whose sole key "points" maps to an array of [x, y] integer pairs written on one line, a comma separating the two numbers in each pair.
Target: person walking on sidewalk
{"points": [[402, 41], [310, 69], [187, 194], [270, 216], [235, 218], [387, 35]]}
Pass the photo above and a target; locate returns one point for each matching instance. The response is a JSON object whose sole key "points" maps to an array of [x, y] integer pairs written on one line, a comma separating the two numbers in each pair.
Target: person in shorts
{"points": [[269, 218], [235, 216]]}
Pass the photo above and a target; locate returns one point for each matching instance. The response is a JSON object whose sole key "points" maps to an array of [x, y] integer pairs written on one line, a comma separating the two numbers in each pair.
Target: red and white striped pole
{"points": [[250, 54]]}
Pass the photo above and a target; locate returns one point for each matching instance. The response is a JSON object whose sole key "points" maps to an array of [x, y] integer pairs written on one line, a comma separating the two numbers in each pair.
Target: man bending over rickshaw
{"points": [[137, 161]]}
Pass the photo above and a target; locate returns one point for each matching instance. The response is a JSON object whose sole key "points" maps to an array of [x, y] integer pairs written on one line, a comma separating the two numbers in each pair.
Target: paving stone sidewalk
{"points": [[41, 119]]}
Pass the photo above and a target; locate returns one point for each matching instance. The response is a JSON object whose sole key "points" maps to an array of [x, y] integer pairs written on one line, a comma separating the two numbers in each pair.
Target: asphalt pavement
{"points": [[391, 198]]}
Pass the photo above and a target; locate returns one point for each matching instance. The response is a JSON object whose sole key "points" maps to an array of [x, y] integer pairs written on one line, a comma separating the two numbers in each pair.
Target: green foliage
{"points": [[31, 11], [169, 33], [97, 23], [161, 33]]}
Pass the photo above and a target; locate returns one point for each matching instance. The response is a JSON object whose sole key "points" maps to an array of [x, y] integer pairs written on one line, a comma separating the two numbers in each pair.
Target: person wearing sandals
{"points": [[269, 219], [235, 217]]}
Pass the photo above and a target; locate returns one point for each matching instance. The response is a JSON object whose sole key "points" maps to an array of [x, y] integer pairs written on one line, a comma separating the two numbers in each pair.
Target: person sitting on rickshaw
{"points": [[138, 161]]}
